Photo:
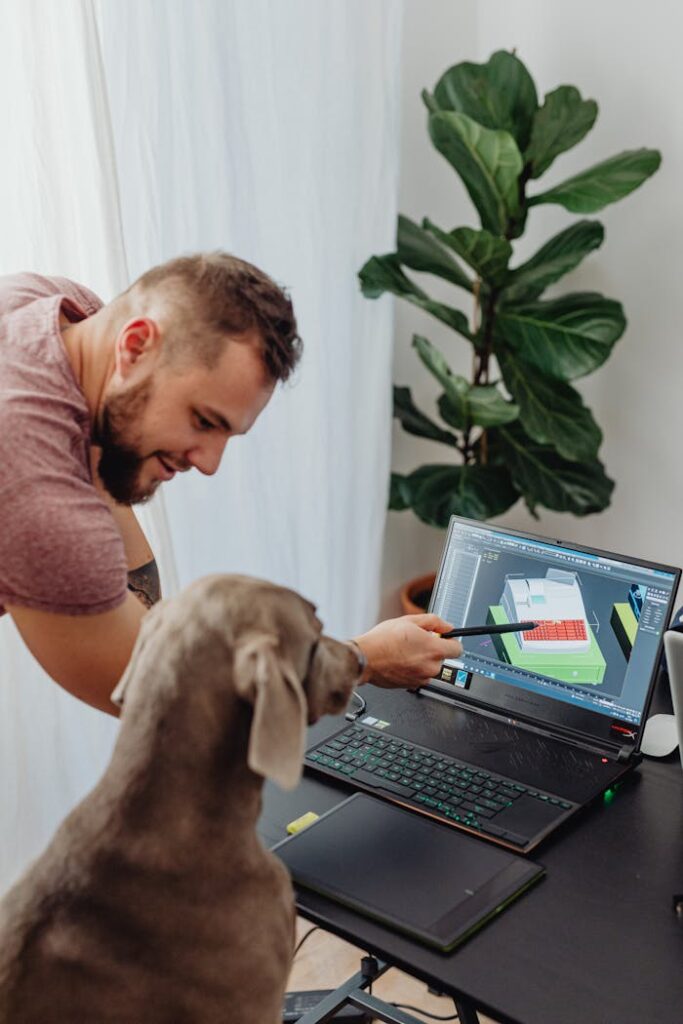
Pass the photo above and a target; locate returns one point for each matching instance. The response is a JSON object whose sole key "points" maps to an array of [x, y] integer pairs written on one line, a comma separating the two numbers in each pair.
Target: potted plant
{"points": [[517, 428]]}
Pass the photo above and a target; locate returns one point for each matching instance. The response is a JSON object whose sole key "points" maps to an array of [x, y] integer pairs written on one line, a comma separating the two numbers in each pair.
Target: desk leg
{"points": [[466, 1012], [352, 992]]}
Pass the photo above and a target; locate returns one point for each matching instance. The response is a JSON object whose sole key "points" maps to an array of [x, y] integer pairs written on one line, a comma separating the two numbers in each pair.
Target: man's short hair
{"points": [[211, 295]]}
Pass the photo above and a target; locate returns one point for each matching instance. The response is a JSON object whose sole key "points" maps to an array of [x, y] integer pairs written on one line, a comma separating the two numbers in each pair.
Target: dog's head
{"points": [[254, 640]]}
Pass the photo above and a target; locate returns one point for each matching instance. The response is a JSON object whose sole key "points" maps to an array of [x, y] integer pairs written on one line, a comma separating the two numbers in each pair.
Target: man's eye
{"points": [[203, 423]]}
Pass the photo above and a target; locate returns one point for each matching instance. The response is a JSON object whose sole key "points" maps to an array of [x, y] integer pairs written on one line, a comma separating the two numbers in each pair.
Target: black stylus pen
{"points": [[508, 627]]}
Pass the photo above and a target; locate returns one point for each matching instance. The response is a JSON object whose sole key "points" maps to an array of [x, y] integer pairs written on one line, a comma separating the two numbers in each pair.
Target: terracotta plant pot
{"points": [[415, 594]]}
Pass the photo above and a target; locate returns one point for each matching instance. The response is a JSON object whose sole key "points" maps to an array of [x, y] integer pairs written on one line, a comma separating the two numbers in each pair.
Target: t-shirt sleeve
{"points": [[60, 549]]}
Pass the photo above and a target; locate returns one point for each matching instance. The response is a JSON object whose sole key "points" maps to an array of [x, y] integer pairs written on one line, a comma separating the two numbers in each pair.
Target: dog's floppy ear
{"points": [[270, 684], [149, 623]]}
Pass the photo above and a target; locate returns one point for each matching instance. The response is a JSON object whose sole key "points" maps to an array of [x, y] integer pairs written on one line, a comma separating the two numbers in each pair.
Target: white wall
{"points": [[627, 57]]}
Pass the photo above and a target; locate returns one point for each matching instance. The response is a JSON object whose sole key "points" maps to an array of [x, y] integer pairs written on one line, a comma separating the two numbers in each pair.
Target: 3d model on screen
{"points": [[563, 646], [556, 604]]}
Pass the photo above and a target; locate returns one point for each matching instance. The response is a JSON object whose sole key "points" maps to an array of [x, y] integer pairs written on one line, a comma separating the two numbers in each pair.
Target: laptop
{"points": [[539, 723]]}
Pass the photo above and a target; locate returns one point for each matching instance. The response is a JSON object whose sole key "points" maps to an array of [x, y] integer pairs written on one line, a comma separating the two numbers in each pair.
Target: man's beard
{"points": [[120, 463]]}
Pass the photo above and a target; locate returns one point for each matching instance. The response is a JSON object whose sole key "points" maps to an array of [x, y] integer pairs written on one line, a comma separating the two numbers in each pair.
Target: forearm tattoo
{"points": [[144, 583]]}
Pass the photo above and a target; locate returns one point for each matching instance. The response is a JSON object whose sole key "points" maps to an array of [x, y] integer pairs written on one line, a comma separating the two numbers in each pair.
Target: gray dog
{"points": [[155, 901]]}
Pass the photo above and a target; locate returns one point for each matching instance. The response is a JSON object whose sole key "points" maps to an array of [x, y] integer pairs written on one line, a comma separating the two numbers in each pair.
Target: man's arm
{"points": [[406, 652], [144, 583], [86, 654], [143, 574]]}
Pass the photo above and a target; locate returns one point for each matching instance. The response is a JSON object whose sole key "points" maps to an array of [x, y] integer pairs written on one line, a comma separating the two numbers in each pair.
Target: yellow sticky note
{"points": [[303, 822]]}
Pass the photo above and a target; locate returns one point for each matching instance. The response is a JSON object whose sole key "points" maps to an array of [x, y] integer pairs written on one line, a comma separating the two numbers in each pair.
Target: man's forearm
{"points": [[86, 654]]}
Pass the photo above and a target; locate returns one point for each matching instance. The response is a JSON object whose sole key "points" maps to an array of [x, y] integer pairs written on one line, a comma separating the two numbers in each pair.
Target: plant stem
{"points": [[484, 353], [488, 319]]}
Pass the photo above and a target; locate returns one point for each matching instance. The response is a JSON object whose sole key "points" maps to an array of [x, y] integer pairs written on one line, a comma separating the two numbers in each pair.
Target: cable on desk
{"points": [[351, 716], [424, 1013], [300, 943]]}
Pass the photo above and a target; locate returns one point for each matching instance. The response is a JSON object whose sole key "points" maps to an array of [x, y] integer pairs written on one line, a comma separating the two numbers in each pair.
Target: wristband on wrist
{"points": [[362, 660]]}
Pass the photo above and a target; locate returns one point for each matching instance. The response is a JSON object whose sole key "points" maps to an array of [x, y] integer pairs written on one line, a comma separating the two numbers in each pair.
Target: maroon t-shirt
{"points": [[60, 549]]}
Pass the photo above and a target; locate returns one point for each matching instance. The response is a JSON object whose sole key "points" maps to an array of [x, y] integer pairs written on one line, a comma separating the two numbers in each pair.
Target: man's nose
{"points": [[207, 457]]}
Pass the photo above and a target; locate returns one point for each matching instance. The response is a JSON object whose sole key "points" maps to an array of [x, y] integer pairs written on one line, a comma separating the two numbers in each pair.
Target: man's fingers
{"points": [[450, 648], [434, 623]]}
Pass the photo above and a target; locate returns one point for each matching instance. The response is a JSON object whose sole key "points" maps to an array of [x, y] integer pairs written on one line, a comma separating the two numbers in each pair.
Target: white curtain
{"points": [[134, 131], [60, 215], [271, 129]]}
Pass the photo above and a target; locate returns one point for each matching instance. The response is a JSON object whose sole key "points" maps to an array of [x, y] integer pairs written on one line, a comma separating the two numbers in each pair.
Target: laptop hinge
{"points": [[603, 747]]}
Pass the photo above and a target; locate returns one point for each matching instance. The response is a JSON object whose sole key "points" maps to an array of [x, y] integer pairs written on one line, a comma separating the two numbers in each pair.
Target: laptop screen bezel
{"points": [[529, 706]]}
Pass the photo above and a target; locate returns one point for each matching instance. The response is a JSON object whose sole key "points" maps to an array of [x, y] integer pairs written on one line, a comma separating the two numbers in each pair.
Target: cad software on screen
{"points": [[599, 619]]}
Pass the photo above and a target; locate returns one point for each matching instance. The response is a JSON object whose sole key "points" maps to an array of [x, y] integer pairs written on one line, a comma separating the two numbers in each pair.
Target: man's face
{"points": [[162, 418]]}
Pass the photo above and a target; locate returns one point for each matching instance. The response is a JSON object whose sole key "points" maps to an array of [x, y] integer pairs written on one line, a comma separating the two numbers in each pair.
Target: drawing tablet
{"points": [[412, 874]]}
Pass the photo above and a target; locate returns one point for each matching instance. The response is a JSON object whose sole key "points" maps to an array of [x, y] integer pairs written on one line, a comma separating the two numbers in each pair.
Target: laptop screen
{"points": [[600, 622]]}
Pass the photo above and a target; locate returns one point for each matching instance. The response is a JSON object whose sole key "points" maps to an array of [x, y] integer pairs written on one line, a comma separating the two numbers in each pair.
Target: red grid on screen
{"points": [[557, 629]]}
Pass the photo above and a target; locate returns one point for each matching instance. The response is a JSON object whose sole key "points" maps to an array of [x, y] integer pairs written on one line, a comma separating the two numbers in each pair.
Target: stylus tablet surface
{"points": [[406, 871]]}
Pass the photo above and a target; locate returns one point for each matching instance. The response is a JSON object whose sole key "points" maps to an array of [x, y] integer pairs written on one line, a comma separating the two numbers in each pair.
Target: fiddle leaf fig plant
{"points": [[518, 427]]}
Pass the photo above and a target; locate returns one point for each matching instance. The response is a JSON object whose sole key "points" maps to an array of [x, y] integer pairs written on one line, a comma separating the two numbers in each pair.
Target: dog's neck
{"points": [[180, 779]]}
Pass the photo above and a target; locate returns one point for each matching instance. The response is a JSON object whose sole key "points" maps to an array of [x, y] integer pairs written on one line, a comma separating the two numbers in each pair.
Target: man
{"points": [[98, 406]]}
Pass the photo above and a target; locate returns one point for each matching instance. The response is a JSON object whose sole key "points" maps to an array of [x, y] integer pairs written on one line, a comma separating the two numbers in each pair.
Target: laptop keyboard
{"points": [[445, 787]]}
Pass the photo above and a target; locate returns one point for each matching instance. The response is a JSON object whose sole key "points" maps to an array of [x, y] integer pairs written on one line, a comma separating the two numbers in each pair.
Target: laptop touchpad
{"points": [[528, 816]]}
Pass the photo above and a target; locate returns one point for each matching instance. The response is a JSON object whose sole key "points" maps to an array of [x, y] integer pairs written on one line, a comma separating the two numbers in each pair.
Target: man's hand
{"points": [[405, 651]]}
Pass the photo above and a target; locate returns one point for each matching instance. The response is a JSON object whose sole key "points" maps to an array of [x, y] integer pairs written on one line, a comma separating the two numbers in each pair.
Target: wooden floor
{"points": [[324, 961]]}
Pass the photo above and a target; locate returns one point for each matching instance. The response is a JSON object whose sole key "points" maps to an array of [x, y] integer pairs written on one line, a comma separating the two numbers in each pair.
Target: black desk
{"points": [[595, 942]]}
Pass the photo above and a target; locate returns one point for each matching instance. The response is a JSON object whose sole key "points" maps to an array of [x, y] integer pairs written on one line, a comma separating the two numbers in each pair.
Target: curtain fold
{"points": [[272, 130], [141, 129], [60, 215]]}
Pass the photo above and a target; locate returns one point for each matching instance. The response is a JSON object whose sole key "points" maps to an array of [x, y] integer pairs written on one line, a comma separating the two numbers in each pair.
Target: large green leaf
{"points": [[383, 274], [454, 410], [399, 493], [487, 254], [488, 162], [415, 422], [563, 120], [437, 492], [498, 94], [545, 478], [456, 387], [566, 337], [551, 411], [604, 183], [480, 406], [429, 102], [418, 250], [557, 257], [489, 408], [462, 404]]}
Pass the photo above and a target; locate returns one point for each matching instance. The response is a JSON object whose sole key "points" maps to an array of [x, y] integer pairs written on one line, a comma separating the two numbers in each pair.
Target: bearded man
{"points": [[99, 404]]}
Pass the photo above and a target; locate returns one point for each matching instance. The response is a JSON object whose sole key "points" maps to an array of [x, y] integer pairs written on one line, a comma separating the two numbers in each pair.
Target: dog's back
{"points": [[155, 902], [93, 935]]}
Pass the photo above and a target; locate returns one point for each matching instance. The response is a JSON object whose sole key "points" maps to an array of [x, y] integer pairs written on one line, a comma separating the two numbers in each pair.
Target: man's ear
{"points": [[137, 338], [278, 728]]}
